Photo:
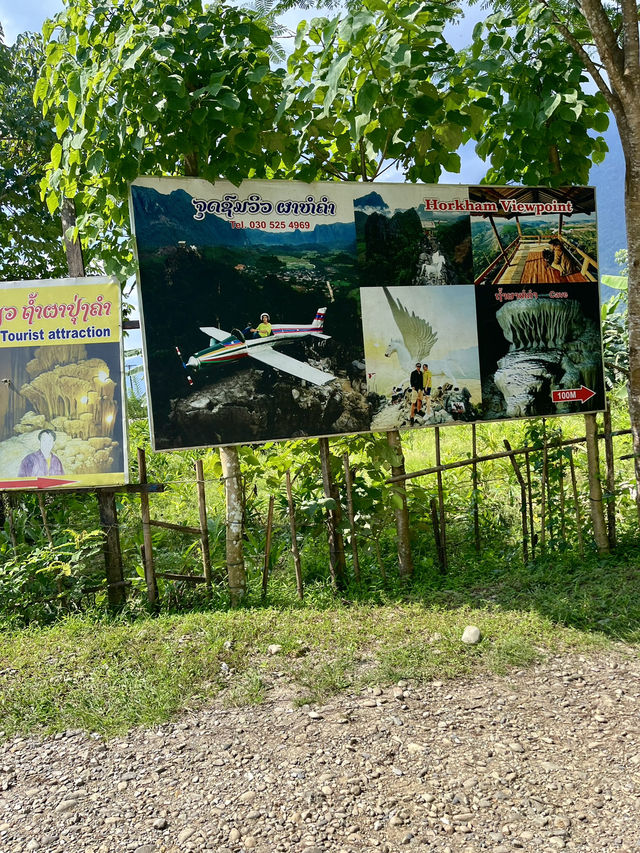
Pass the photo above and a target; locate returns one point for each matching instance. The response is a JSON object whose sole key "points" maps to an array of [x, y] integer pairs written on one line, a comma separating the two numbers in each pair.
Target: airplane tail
{"points": [[319, 318]]}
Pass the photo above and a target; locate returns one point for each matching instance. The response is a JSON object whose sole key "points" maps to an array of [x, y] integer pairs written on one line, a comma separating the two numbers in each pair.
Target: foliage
{"points": [[540, 117], [30, 237], [378, 87], [137, 88], [45, 580]]}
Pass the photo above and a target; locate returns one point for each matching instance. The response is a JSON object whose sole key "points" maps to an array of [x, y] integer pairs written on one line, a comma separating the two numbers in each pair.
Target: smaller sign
{"points": [[62, 398]]}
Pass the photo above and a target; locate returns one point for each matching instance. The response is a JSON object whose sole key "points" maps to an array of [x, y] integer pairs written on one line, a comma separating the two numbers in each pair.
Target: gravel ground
{"points": [[544, 759]]}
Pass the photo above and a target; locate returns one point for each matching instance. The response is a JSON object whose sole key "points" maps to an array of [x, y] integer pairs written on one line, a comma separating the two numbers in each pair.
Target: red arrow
{"points": [[570, 395], [34, 483], [50, 482]]}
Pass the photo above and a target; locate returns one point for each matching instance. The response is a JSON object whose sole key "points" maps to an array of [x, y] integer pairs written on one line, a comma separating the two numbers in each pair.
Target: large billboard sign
{"points": [[61, 388], [280, 309]]}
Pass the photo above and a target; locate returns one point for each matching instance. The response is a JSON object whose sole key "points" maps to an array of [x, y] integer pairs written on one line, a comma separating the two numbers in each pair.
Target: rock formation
{"points": [[552, 345]]}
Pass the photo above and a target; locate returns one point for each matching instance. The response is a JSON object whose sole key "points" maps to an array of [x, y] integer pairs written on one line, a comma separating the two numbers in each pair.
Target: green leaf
{"points": [[56, 155], [551, 104]]}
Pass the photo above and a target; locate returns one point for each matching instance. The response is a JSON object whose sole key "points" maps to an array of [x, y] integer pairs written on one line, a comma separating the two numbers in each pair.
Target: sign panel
{"points": [[280, 309], [61, 388]]}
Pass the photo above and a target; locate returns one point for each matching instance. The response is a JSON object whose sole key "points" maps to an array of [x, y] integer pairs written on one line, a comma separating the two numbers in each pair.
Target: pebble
{"points": [[471, 635], [481, 763]]}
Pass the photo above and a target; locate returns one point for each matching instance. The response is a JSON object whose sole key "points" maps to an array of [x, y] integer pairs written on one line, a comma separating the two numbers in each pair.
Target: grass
{"points": [[108, 676]]}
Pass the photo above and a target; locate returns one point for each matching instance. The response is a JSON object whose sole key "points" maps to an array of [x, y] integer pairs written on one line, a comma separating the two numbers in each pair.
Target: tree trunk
{"points": [[337, 562], [233, 498], [116, 591], [405, 559], [232, 479], [632, 211], [595, 485]]}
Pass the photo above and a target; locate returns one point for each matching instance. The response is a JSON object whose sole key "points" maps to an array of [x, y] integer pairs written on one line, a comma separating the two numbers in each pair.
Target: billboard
{"points": [[61, 388], [281, 309]]}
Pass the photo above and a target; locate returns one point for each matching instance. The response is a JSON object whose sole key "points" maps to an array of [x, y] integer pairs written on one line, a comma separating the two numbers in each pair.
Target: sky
{"points": [[19, 15]]}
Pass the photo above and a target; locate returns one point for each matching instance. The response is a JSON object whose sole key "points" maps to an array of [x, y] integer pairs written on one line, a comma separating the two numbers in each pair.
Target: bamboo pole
{"points": [[267, 547], [437, 537], [576, 504], [610, 479], [8, 506], [442, 519], [147, 548], [543, 493], [523, 503], [461, 463], [474, 480], [334, 518], [43, 515], [204, 529], [352, 518], [532, 528], [595, 485], [563, 526], [294, 538]]}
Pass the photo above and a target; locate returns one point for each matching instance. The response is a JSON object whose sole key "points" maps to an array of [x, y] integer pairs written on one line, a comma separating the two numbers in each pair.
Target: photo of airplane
{"points": [[236, 345]]}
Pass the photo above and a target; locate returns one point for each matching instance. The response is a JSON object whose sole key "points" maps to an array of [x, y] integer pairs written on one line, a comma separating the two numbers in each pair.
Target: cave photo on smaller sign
{"points": [[61, 397]]}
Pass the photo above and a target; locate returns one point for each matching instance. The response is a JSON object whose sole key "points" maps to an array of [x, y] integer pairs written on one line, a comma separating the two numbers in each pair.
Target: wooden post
{"points": [[474, 481], [233, 500], [352, 520], [563, 526], [400, 509], [436, 535], [116, 592], [610, 479], [204, 530], [8, 507], [523, 503], [337, 563], [383, 573], [576, 503], [543, 494], [43, 515], [595, 485], [530, 502], [443, 521], [267, 547], [147, 549], [294, 538]]}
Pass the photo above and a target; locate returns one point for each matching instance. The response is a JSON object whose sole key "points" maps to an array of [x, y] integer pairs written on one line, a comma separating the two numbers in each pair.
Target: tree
{"points": [[135, 88], [604, 39], [30, 237], [373, 88]]}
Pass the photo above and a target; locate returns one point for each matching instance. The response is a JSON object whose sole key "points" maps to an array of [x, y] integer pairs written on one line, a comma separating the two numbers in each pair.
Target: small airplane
{"points": [[227, 347]]}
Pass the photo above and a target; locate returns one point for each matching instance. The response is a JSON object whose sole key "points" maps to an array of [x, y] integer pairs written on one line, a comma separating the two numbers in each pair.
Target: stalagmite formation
{"points": [[552, 345], [73, 395]]}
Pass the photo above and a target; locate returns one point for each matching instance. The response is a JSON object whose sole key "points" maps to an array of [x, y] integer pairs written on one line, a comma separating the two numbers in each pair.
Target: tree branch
{"points": [[609, 93], [611, 54]]}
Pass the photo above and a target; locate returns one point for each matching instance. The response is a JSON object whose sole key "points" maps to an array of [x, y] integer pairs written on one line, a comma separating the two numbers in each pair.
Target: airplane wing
{"points": [[320, 335], [270, 356], [216, 334]]}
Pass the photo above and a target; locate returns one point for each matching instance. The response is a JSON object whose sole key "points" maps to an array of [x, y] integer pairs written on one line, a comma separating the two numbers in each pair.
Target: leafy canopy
{"points": [[375, 87], [134, 87]]}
